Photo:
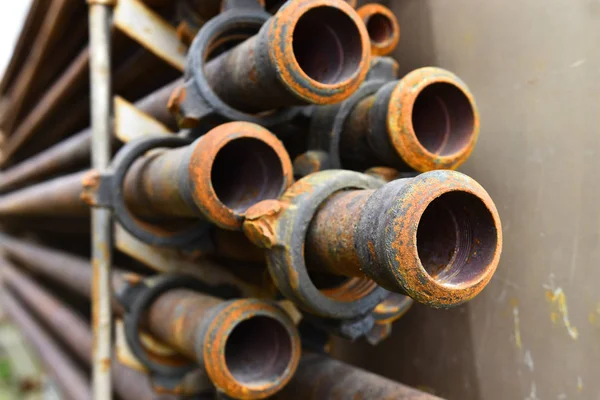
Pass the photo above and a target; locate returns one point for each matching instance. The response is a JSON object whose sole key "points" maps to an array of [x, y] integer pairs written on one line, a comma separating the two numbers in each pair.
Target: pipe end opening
{"points": [[245, 172], [457, 238], [380, 28], [258, 351], [327, 45], [443, 119]]}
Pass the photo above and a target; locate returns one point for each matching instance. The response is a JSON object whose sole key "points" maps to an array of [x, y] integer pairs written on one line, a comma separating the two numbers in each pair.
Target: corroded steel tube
{"points": [[217, 177], [76, 333], [310, 52], [322, 378], [250, 349], [426, 120], [57, 197], [383, 28], [68, 270], [75, 151], [436, 238], [68, 376]]}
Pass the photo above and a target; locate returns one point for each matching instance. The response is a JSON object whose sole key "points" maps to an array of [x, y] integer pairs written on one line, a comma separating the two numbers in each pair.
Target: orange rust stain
{"points": [[412, 277], [90, 184], [214, 349], [105, 364], [381, 47], [401, 131], [281, 54], [203, 156]]}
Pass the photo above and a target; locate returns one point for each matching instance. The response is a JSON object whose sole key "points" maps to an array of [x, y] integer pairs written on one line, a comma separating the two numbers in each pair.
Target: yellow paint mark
{"points": [[558, 300], [518, 341], [579, 384], [554, 317], [592, 318], [540, 66], [469, 39]]}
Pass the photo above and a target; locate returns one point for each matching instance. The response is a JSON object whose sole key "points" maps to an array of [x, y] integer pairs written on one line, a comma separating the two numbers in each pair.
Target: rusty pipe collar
{"points": [[234, 166], [251, 349], [320, 49], [382, 26], [439, 238], [431, 119], [436, 237], [281, 227]]}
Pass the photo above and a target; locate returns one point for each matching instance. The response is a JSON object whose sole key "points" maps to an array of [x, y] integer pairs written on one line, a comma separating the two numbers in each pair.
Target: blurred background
{"points": [[21, 376], [534, 333]]}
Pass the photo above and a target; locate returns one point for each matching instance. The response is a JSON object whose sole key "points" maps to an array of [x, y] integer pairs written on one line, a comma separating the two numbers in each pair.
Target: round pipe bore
{"points": [[250, 348], [218, 177], [427, 120], [382, 26], [310, 52], [436, 238]]}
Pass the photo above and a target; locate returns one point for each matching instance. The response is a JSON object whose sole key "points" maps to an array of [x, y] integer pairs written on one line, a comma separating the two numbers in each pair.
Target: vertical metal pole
{"points": [[100, 12]]}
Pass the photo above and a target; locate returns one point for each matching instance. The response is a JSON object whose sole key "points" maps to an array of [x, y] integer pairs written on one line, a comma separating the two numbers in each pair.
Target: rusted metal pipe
{"points": [[100, 15], [383, 28], [424, 121], [217, 177], [436, 238], [76, 333], [71, 380], [75, 151], [61, 267], [322, 378], [310, 52], [250, 348], [56, 197]]}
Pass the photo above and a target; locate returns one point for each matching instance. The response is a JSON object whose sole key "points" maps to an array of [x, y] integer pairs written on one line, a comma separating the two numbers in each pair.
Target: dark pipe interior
{"points": [[443, 119], [456, 237], [327, 45], [380, 28], [246, 171], [258, 350]]}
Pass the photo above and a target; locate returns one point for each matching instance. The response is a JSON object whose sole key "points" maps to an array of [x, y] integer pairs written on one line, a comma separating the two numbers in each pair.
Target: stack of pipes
{"points": [[264, 180]]}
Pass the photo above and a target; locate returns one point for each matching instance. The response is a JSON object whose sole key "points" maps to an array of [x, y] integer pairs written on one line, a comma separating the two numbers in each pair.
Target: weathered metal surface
{"points": [[100, 16], [75, 151], [71, 380], [54, 97], [149, 29], [218, 177], [178, 318], [76, 334], [322, 378], [55, 197], [249, 348], [323, 61], [436, 238], [426, 120], [382, 26]]}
